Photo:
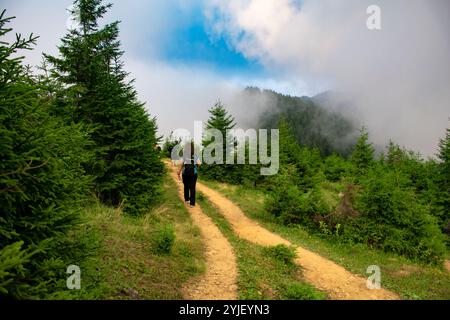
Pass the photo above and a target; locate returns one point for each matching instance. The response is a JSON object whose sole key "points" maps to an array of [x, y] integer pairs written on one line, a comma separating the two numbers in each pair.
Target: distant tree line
{"points": [[396, 202], [312, 124]]}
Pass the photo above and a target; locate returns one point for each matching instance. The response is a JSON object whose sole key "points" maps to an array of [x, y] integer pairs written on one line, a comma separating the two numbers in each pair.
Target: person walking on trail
{"points": [[189, 172]]}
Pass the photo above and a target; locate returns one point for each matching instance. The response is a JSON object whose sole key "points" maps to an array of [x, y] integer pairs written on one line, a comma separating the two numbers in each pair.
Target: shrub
{"points": [[396, 220], [284, 204], [164, 240], [288, 204], [298, 291], [282, 253], [313, 203], [336, 167]]}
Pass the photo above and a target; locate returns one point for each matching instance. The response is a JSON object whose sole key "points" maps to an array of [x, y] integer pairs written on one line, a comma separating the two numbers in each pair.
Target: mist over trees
{"points": [[395, 201], [312, 124]]}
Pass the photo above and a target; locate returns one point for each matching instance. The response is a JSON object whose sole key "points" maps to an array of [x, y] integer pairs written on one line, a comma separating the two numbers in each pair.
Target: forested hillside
{"points": [[313, 124], [396, 202]]}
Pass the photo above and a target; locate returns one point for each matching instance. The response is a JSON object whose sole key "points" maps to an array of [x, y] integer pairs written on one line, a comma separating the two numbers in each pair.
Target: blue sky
{"points": [[170, 49], [192, 43], [171, 32]]}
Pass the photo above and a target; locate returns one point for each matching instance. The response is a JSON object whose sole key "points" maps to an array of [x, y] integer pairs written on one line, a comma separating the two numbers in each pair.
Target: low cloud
{"points": [[179, 95], [398, 78]]}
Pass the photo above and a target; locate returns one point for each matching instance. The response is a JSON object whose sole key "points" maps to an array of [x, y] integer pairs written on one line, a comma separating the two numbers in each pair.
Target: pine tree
{"points": [[42, 183], [289, 148], [363, 155], [250, 174], [393, 217], [220, 120], [395, 154], [444, 157], [127, 167], [170, 143], [443, 202], [303, 162]]}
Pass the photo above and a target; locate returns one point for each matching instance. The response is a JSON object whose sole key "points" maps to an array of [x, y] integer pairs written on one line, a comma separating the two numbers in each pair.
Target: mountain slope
{"points": [[313, 124]]}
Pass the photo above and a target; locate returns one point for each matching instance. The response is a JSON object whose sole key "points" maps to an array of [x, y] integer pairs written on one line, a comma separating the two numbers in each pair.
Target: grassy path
{"points": [[219, 280], [265, 273], [123, 257], [321, 272], [410, 279]]}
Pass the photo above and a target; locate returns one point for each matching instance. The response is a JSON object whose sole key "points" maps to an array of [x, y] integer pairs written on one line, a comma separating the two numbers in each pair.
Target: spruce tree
{"points": [[250, 174], [303, 162], [42, 182], [363, 155], [444, 157], [127, 168], [170, 143], [395, 154], [443, 201], [220, 120], [289, 148]]}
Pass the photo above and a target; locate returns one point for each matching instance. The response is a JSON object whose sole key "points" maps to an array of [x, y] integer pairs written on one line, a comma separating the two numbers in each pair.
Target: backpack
{"points": [[190, 169]]}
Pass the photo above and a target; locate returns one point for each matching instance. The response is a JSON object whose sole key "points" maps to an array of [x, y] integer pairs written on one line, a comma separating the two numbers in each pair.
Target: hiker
{"points": [[189, 171]]}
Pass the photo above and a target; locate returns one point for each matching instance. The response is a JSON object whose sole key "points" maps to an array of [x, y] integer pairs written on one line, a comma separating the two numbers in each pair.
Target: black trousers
{"points": [[189, 188]]}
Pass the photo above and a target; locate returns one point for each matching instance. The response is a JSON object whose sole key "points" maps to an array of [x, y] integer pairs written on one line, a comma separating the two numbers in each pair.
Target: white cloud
{"points": [[46, 19], [179, 95], [176, 94], [399, 76]]}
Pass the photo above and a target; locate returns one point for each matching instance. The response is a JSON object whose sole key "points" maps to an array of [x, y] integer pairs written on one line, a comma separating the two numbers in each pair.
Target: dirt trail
{"points": [[219, 280], [324, 274]]}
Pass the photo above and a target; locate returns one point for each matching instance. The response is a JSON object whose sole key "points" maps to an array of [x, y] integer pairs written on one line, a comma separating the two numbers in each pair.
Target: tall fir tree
{"points": [[444, 157], [127, 167], [363, 155], [170, 143], [444, 183], [222, 121], [289, 148]]}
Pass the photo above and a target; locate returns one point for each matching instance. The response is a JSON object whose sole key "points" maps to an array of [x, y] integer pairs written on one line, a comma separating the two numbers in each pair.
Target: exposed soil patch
{"points": [[220, 278]]}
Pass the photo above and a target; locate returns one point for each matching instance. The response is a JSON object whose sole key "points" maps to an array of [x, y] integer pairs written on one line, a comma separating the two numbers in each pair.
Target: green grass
{"points": [[147, 257], [265, 273], [410, 279]]}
